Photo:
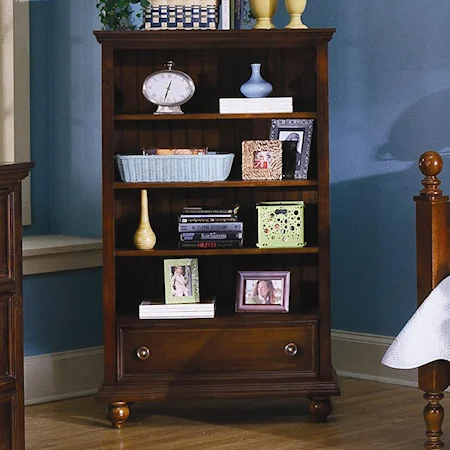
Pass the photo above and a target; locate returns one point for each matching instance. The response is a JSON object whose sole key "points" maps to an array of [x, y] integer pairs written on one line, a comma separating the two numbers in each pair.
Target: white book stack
{"points": [[154, 310], [256, 105]]}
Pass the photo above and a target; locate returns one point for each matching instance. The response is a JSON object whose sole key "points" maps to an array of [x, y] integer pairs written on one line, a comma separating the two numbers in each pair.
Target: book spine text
{"points": [[208, 236], [211, 244]]}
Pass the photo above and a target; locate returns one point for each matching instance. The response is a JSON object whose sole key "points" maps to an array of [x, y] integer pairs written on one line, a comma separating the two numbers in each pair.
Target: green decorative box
{"points": [[280, 224]]}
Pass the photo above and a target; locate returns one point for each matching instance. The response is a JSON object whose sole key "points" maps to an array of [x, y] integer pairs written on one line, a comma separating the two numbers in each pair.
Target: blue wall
{"points": [[62, 311], [65, 118], [40, 102], [389, 102]]}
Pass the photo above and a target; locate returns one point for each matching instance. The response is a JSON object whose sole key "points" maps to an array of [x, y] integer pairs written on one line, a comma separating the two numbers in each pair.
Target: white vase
{"points": [[256, 86], [263, 11], [144, 238], [295, 8]]}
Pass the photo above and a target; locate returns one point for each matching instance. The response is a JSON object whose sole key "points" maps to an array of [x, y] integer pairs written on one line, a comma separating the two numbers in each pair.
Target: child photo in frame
{"points": [[299, 131], [181, 280], [261, 160]]}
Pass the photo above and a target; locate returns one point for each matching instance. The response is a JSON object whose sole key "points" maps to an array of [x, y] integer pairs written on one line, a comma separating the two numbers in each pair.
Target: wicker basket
{"points": [[154, 168]]}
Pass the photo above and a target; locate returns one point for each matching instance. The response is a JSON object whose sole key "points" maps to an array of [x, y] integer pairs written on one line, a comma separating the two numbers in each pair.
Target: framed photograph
{"points": [[300, 131], [181, 280], [261, 160], [263, 292]]}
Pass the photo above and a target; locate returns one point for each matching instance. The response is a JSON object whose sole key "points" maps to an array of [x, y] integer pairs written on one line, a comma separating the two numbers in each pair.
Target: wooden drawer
{"points": [[284, 347], [7, 275]]}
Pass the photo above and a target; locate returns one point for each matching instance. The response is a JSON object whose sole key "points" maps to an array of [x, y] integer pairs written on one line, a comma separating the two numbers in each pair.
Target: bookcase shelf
{"points": [[181, 253], [215, 116], [233, 320], [219, 184], [235, 354]]}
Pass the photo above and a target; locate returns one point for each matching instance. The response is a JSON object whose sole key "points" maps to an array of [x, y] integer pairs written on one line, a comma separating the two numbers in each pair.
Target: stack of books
{"points": [[201, 227], [243, 105], [149, 309], [235, 15]]}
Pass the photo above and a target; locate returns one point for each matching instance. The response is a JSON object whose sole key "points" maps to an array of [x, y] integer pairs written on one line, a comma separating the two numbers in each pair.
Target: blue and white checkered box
{"points": [[171, 17]]}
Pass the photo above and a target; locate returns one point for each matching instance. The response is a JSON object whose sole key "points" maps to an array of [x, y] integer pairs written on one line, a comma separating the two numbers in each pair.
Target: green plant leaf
{"points": [[116, 14]]}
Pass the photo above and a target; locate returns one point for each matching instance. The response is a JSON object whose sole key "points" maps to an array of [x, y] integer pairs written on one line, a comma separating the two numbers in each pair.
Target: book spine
{"points": [[225, 14], [207, 219], [153, 310], [190, 211], [206, 215], [256, 110], [156, 313], [237, 14], [232, 14], [232, 101], [196, 316], [208, 236], [211, 227], [211, 244]]}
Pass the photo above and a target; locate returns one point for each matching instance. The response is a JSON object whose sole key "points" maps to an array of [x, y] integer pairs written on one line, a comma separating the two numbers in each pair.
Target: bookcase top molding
{"points": [[213, 39]]}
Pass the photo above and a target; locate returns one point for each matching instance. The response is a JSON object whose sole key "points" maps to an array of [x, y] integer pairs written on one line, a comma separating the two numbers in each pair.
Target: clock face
{"points": [[168, 88]]}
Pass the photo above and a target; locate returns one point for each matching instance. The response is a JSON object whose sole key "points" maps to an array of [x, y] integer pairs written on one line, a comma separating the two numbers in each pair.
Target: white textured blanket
{"points": [[426, 336]]}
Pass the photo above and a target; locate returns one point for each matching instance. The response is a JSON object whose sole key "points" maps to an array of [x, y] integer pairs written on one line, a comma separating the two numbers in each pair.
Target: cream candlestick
{"points": [[295, 8]]}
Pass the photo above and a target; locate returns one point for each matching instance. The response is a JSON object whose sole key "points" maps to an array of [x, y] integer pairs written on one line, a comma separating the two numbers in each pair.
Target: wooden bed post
{"points": [[431, 248]]}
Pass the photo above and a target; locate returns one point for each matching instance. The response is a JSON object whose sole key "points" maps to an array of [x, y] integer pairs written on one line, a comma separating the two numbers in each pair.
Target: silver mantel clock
{"points": [[168, 89]]}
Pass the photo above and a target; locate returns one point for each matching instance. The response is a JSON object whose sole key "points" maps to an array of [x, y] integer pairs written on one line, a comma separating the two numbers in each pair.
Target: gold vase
{"points": [[272, 11], [263, 11], [144, 238], [295, 8]]}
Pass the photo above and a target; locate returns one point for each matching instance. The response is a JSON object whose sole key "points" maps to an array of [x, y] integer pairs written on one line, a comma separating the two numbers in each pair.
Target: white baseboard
{"points": [[358, 355], [78, 373], [58, 376]]}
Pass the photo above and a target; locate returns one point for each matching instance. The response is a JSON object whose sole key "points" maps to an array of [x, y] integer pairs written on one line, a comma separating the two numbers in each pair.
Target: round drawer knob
{"points": [[143, 353], [291, 349]]}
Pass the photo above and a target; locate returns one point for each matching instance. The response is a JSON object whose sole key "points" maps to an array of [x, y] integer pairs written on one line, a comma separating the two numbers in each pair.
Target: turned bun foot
{"points": [[320, 409], [118, 413]]}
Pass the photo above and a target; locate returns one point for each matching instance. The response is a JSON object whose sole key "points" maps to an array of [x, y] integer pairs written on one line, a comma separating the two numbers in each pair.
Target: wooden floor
{"points": [[368, 416]]}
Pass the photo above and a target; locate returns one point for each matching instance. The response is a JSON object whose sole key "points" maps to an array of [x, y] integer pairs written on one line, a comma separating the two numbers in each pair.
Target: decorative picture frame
{"points": [[262, 160], [181, 281], [299, 130], [253, 286]]}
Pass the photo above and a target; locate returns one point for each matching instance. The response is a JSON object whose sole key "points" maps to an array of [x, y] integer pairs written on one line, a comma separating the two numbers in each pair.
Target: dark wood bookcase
{"points": [[235, 354], [12, 429]]}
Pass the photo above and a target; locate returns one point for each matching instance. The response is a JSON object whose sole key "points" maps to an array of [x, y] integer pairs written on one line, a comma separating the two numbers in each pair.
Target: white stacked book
{"points": [[158, 310], [256, 105]]}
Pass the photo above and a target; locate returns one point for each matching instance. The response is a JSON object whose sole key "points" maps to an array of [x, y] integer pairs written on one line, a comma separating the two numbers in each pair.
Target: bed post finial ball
{"points": [[430, 163]]}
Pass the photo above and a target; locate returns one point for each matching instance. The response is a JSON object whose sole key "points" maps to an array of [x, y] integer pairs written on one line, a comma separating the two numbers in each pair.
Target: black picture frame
{"points": [[299, 130]]}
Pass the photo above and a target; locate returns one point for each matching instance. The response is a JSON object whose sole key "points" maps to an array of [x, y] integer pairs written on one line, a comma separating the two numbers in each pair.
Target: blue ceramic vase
{"points": [[256, 86]]}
